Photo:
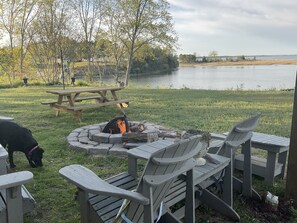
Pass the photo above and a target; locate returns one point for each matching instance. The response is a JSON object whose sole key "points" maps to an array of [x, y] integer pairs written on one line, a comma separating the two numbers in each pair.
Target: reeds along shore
{"points": [[244, 63]]}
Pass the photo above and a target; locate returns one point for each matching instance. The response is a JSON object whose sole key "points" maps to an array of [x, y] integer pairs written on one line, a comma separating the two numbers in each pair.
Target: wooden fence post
{"points": [[291, 181]]}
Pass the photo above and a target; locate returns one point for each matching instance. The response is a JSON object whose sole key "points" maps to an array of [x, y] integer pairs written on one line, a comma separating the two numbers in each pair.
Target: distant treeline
{"points": [[213, 57], [148, 60], [158, 60]]}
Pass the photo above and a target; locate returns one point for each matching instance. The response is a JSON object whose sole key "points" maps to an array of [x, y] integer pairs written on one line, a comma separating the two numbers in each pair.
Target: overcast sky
{"points": [[236, 27]]}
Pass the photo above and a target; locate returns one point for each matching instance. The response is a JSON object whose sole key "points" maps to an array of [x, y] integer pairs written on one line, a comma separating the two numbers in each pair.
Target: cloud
{"points": [[225, 22]]}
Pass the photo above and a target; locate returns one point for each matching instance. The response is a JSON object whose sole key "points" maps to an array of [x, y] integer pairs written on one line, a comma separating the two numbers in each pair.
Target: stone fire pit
{"points": [[92, 140]]}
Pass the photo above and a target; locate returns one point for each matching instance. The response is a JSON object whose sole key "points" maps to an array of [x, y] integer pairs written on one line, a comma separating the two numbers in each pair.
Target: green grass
{"points": [[212, 111]]}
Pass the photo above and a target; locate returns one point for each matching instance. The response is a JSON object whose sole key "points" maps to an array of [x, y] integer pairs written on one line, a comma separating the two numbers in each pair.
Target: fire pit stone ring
{"points": [[92, 140]]}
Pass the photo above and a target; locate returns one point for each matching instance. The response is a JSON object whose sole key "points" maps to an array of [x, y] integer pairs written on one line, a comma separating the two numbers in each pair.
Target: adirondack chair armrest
{"points": [[3, 152], [15, 179], [218, 136], [87, 180]]}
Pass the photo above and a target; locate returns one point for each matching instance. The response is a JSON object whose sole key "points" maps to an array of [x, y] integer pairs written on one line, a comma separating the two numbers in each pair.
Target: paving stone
{"points": [[118, 150], [83, 134], [78, 130], [87, 147], [73, 134], [84, 140], [76, 146], [101, 137], [98, 150], [93, 143], [71, 138], [96, 138], [94, 127], [86, 127], [105, 145], [93, 132], [115, 138]]}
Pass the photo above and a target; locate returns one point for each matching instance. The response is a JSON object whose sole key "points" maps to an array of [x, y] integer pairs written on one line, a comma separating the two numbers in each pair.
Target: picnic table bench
{"points": [[67, 99]]}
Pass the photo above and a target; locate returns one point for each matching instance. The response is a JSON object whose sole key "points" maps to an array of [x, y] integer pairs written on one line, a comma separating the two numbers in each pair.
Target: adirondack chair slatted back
{"points": [[240, 133], [161, 171]]}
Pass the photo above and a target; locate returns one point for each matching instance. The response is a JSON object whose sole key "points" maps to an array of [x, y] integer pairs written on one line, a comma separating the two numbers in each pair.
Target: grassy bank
{"points": [[213, 111]]}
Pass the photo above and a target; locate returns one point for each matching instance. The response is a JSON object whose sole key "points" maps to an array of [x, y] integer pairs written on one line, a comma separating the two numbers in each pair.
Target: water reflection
{"points": [[223, 77]]}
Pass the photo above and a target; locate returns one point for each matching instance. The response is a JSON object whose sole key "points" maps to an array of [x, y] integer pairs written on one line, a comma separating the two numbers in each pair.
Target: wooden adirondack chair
{"points": [[15, 200], [146, 202], [222, 160]]}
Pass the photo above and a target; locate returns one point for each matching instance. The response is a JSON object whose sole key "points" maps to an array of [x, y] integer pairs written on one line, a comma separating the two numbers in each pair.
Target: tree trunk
{"points": [[291, 182], [128, 70]]}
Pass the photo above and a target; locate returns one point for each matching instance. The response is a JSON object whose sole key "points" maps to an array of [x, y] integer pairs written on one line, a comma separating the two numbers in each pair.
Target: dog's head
{"points": [[35, 157]]}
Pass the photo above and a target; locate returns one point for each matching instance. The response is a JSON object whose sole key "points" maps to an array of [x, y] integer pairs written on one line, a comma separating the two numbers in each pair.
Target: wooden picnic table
{"points": [[67, 99]]}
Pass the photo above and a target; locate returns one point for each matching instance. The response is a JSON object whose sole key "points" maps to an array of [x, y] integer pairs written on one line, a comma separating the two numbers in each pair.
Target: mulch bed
{"points": [[265, 212], [254, 211]]}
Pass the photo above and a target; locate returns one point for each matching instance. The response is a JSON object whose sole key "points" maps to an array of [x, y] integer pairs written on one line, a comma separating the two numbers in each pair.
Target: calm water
{"points": [[223, 78]]}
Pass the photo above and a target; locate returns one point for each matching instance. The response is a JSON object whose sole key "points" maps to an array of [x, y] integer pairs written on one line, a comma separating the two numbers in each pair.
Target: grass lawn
{"points": [[213, 111]]}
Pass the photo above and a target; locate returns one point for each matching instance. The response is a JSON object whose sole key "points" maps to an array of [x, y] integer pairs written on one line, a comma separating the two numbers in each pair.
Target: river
{"points": [[260, 77]]}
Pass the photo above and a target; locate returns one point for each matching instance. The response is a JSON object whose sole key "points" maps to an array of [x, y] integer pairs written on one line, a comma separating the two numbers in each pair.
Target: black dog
{"points": [[18, 138]]}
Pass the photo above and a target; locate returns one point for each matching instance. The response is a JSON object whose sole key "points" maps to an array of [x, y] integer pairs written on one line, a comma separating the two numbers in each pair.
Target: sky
{"points": [[235, 27]]}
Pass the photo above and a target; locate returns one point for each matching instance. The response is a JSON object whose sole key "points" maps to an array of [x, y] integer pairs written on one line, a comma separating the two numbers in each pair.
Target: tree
{"points": [[187, 58], [213, 54], [50, 27], [153, 60], [10, 11], [28, 12], [71, 53], [116, 49], [5, 61], [143, 22], [17, 17], [89, 17]]}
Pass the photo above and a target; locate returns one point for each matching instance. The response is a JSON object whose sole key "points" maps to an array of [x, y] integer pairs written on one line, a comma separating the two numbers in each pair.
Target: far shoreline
{"points": [[241, 63]]}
